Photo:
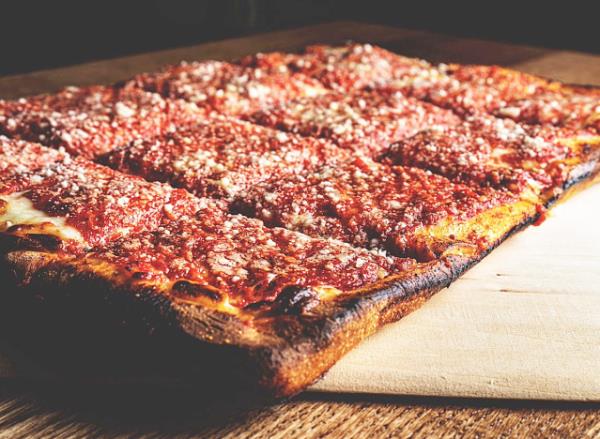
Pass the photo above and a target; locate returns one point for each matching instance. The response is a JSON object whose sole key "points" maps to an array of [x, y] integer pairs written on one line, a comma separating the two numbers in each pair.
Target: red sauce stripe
{"points": [[223, 157], [365, 121], [344, 68], [92, 120], [100, 203], [245, 261], [18, 157], [569, 110], [367, 204], [473, 88], [226, 88], [489, 152]]}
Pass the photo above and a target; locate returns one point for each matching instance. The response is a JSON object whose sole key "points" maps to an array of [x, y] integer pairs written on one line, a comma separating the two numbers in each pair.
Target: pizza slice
{"points": [[535, 162], [226, 88], [365, 121], [89, 121], [73, 205], [344, 68], [221, 157], [406, 211], [468, 89], [563, 106]]}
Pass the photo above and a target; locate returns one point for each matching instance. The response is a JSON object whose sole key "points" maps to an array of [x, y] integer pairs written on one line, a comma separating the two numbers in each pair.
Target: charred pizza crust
{"points": [[278, 352]]}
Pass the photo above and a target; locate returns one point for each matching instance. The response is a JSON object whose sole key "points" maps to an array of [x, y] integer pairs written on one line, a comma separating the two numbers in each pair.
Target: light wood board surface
{"points": [[531, 332]]}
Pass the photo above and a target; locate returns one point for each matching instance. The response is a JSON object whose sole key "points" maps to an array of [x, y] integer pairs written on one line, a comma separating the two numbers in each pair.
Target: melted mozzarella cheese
{"points": [[326, 292], [20, 211], [227, 307]]}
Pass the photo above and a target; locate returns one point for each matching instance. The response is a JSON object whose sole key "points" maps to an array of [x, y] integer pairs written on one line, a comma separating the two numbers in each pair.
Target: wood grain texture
{"points": [[40, 410], [31, 410]]}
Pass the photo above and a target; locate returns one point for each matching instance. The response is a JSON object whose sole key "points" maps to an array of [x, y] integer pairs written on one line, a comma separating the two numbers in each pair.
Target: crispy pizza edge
{"points": [[279, 355]]}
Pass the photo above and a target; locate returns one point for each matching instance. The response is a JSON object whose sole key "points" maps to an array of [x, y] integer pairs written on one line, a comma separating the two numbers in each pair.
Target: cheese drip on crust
{"points": [[16, 210]]}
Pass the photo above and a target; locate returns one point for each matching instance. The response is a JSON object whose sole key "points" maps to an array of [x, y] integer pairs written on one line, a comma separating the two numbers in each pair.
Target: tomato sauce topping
{"points": [[226, 88], [346, 68], [367, 204], [222, 157], [92, 120], [18, 157], [490, 152], [472, 88], [236, 259], [366, 121], [561, 108], [99, 203]]}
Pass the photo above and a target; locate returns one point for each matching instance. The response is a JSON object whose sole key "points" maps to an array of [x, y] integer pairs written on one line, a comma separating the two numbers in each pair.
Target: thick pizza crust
{"points": [[282, 354], [89, 321]]}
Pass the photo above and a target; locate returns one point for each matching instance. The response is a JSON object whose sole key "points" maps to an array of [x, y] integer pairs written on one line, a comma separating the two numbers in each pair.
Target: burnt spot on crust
{"points": [[296, 299], [48, 242], [189, 290], [23, 237]]}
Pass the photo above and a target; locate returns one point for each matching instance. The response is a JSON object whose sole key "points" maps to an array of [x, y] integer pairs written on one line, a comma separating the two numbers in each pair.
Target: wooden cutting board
{"points": [[524, 323]]}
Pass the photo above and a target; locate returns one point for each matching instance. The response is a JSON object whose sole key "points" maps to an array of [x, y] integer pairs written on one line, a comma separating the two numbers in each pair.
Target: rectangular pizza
{"points": [[251, 222]]}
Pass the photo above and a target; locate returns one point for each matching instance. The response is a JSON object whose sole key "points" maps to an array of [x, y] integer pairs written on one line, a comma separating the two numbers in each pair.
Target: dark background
{"points": [[51, 33]]}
